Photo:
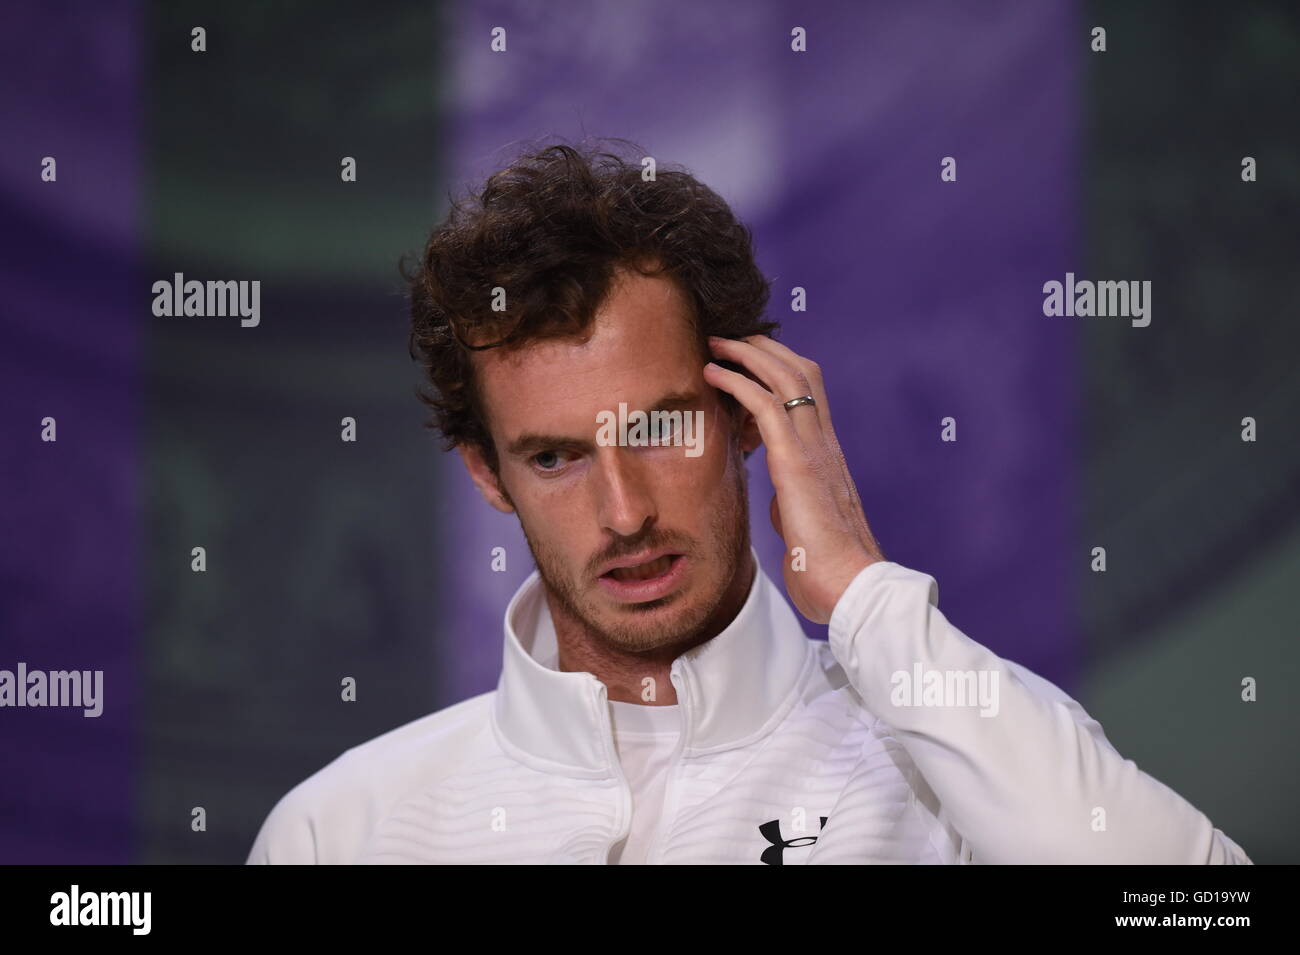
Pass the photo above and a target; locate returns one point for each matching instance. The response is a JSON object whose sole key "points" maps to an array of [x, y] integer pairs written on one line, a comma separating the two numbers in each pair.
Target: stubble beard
{"points": [[729, 525]]}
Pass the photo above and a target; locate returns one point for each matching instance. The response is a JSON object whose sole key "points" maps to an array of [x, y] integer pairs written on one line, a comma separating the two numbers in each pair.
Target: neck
{"points": [[623, 671]]}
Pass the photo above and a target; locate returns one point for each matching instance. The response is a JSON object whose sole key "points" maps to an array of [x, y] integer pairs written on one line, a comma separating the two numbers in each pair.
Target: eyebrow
{"points": [[529, 443]]}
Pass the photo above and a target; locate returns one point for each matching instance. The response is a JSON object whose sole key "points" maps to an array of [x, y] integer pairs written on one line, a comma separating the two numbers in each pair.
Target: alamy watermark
{"points": [[921, 687], [83, 688], [651, 429], [1086, 299], [75, 907], [214, 299]]}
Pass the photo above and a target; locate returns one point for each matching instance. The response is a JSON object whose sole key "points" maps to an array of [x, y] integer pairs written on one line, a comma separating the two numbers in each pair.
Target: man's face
{"points": [[585, 505]]}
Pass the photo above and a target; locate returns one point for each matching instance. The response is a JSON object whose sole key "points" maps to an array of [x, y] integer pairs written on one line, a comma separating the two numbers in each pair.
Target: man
{"points": [[659, 702]]}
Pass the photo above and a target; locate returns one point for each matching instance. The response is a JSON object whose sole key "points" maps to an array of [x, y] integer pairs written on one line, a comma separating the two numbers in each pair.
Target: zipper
{"points": [[625, 790], [669, 812]]}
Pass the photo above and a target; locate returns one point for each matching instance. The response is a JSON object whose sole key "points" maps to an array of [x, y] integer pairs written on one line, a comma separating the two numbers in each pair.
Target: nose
{"points": [[624, 505]]}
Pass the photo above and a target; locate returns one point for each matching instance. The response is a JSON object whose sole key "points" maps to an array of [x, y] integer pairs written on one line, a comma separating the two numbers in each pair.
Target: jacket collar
{"points": [[733, 689]]}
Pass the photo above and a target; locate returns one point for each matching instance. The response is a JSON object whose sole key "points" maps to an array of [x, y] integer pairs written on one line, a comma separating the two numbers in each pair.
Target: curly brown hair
{"points": [[550, 229]]}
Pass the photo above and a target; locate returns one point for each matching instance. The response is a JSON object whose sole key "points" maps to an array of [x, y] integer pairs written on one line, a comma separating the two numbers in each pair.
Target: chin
{"points": [[654, 624]]}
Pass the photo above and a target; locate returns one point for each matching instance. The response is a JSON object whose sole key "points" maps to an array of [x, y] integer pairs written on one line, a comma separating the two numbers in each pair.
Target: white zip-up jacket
{"points": [[791, 751]]}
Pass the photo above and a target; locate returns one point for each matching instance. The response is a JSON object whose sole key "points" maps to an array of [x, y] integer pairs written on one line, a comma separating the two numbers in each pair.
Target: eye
{"points": [[548, 460]]}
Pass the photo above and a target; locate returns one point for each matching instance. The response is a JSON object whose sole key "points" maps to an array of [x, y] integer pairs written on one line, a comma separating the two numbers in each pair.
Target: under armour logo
{"points": [[774, 854]]}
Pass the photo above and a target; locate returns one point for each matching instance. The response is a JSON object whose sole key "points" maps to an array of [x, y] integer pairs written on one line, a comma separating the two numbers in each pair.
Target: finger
{"points": [[813, 375], [783, 445], [811, 371], [783, 380]]}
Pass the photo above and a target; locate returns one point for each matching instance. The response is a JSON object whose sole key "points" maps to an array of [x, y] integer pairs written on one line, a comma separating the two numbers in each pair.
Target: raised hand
{"points": [[816, 509]]}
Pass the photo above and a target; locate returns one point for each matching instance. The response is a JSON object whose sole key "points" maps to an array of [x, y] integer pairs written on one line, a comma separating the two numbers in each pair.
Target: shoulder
{"points": [[326, 818]]}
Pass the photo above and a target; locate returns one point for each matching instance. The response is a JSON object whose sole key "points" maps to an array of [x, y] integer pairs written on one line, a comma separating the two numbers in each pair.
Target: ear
{"points": [[484, 478]]}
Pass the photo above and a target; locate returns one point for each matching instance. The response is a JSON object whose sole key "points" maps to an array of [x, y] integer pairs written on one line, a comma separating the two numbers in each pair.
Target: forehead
{"points": [[642, 345]]}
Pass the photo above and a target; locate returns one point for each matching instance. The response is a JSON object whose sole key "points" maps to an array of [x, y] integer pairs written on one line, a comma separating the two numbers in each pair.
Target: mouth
{"points": [[644, 580]]}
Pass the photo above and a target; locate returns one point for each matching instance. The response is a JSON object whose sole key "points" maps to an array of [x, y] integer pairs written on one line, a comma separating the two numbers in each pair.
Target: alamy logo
{"points": [[653, 429], [75, 907], [213, 299], [84, 688], [775, 853], [923, 687], [1086, 299]]}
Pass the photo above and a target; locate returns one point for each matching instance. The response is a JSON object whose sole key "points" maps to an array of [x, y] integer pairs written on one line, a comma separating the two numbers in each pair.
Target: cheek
{"points": [[560, 516], [543, 507], [555, 517], [693, 487]]}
